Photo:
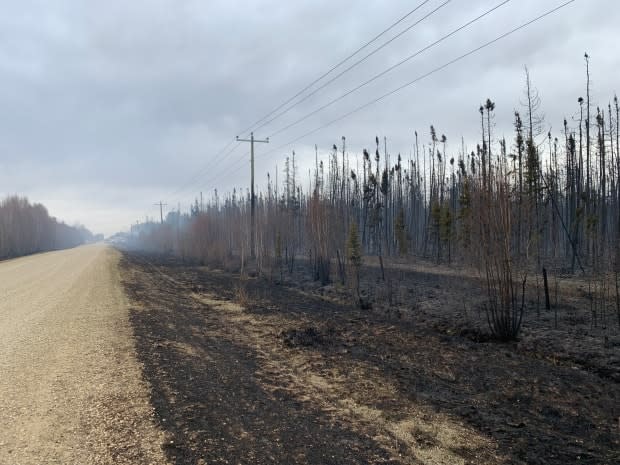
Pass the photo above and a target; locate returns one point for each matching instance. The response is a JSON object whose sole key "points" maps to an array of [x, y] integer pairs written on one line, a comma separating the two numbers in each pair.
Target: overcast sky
{"points": [[108, 107]]}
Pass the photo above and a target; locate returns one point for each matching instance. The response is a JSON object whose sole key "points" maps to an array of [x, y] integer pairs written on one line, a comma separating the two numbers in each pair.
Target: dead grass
{"points": [[349, 396]]}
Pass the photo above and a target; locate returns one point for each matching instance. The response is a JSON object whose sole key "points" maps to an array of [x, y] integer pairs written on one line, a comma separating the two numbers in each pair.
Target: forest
{"points": [[513, 210], [27, 228]]}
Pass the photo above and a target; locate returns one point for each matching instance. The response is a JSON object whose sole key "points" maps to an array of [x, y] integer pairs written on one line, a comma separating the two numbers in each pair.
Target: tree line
{"points": [[27, 228], [511, 207]]}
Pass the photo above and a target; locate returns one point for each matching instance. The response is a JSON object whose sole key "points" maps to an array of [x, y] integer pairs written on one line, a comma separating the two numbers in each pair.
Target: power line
{"points": [[419, 78], [414, 81], [333, 68], [225, 170], [348, 68], [386, 71], [203, 171], [361, 60], [391, 68], [196, 178]]}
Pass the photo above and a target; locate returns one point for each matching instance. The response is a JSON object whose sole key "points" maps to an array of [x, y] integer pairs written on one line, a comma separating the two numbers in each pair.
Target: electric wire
{"points": [[336, 66], [432, 12], [419, 78], [389, 69], [412, 82], [360, 61], [203, 171]]}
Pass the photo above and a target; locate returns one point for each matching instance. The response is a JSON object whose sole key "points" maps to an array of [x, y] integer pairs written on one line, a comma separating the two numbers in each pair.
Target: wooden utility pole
{"points": [[251, 140], [161, 210]]}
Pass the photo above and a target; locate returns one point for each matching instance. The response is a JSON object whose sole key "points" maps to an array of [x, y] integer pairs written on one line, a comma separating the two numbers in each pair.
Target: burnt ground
{"points": [[249, 371]]}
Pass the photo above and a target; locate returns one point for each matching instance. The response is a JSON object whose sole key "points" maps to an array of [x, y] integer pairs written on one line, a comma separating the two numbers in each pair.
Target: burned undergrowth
{"points": [[291, 376]]}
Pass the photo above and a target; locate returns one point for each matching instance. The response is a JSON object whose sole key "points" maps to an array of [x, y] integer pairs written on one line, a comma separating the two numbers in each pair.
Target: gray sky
{"points": [[108, 107]]}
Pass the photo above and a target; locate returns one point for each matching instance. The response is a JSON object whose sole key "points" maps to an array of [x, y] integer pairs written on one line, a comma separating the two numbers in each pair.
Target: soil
{"points": [[246, 370]]}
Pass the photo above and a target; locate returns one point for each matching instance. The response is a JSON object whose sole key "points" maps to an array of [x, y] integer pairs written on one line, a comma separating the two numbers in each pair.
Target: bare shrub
{"points": [[504, 309], [241, 295], [505, 296]]}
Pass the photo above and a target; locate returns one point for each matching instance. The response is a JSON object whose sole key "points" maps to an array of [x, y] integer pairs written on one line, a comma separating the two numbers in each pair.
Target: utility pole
{"points": [[251, 140], [161, 210]]}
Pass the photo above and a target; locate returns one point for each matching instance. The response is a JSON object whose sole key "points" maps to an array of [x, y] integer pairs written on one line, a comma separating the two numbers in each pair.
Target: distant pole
{"points": [[161, 210], [251, 140]]}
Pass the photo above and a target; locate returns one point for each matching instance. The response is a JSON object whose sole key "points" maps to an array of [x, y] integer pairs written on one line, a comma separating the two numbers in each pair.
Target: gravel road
{"points": [[71, 389]]}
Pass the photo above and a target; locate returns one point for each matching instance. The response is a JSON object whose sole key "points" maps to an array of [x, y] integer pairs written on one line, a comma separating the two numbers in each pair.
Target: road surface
{"points": [[71, 390]]}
